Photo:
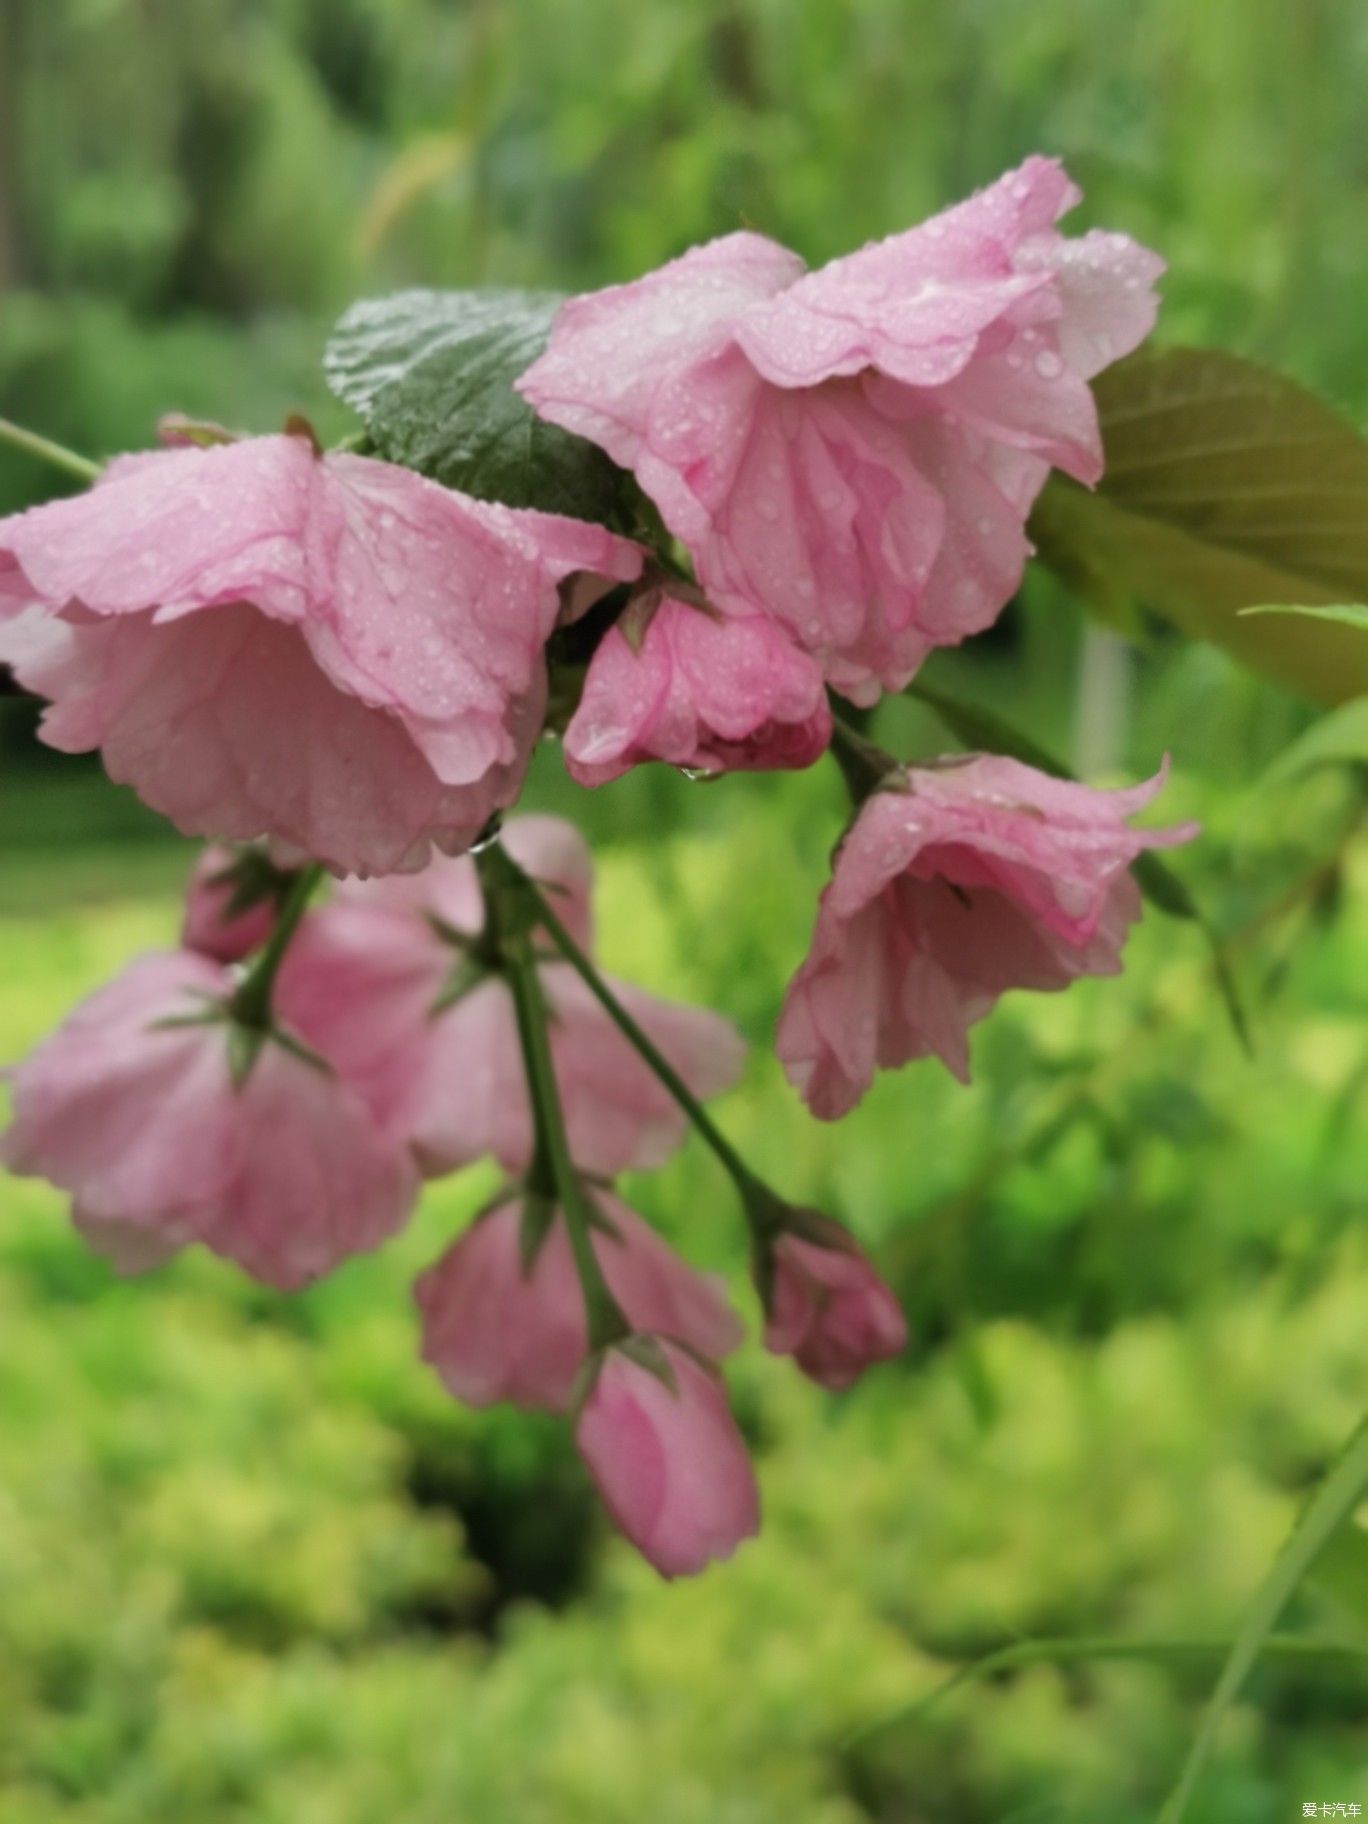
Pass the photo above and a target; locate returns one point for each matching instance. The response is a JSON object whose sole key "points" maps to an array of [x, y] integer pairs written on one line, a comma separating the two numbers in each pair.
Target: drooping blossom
{"points": [[326, 650], [137, 1115], [497, 1326], [854, 450], [828, 1308], [227, 914], [969, 878], [389, 979], [666, 1457], [684, 682]]}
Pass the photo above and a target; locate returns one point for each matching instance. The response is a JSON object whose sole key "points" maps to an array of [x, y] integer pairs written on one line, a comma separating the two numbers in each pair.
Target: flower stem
{"points": [[754, 1193], [251, 1005], [552, 1173], [864, 766], [48, 451]]}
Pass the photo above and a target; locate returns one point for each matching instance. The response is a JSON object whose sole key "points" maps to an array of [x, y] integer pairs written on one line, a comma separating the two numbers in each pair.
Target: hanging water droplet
{"points": [[489, 835]]}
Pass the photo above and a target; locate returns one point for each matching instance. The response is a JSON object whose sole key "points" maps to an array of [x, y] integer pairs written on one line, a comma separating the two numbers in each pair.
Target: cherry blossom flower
{"points": [[327, 650], [854, 451], [965, 880], [390, 980], [140, 1116], [500, 1326]]}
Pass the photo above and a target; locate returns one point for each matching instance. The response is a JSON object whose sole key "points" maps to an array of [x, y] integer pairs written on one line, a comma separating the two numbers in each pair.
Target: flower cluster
{"points": [[324, 664]]}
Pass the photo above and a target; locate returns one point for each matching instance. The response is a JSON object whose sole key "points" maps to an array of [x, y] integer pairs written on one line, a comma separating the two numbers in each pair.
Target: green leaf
{"points": [[1339, 737], [978, 728], [432, 372], [1332, 1504], [1341, 1571], [1353, 614], [1227, 487]]}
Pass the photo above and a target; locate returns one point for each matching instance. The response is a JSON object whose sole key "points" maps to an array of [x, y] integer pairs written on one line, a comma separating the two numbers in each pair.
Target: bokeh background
{"points": [[253, 1564]]}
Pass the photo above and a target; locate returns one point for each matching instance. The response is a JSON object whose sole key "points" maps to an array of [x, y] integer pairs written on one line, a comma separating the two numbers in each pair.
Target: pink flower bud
{"points": [[499, 1326], [700, 689], [663, 1449], [829, 1309], [976, 876], [209, 925]]}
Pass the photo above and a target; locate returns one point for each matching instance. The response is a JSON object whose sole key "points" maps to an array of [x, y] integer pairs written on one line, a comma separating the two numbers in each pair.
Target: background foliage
{"points": [[253, 1565]]}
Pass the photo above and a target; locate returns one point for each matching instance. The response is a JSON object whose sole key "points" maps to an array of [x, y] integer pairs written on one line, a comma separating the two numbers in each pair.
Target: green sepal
{"points": [[173, 1021], [244, 1048], [583, 1384], [254, 879], [538, 1214], [467, 975], [298, 1049], [647, 1353]]}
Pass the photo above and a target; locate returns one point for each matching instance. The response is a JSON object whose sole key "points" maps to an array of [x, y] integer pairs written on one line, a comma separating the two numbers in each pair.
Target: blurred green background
{"points": [[253, 1564]]}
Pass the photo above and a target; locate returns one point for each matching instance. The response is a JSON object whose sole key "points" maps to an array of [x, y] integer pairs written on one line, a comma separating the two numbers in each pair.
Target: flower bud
{"points": [[231, 902], [663, 1449], [828, 1308]]}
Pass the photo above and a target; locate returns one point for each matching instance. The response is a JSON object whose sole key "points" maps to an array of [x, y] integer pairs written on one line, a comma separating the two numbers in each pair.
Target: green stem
{"points": [[745, 1180], [864, 765], [553, 1171], [48, 451], [251, 1005], [1101, 1646]]}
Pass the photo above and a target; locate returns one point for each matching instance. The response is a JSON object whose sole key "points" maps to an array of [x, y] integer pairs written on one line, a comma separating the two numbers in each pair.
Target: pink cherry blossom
{"points": [[854, 451], [699, 688], [496, 1329], [209, 925], [666, 1456], [330, 651], [365, 976], [473, 1101], [829, 1309], [141, 1122], [973, 877]]}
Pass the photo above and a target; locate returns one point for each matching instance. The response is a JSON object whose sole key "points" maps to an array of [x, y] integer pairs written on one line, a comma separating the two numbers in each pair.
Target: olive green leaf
{"points": [[1227, 487]]}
